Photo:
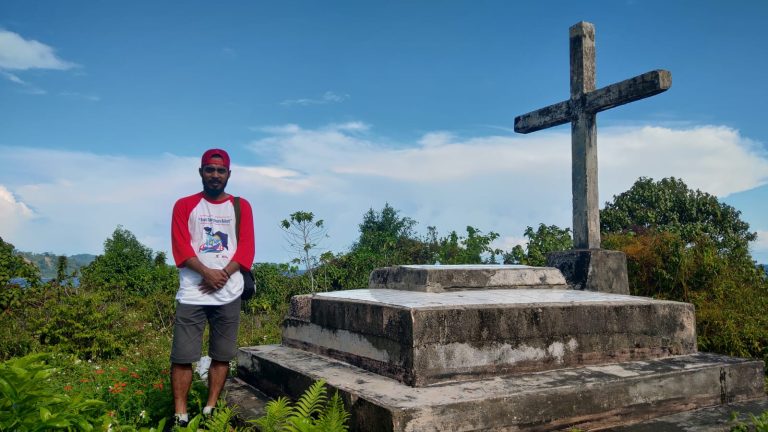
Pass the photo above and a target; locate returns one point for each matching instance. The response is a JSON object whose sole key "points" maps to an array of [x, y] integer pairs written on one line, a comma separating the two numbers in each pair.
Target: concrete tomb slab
{"points": [[424, 338], [442, 278], [586, 397]]}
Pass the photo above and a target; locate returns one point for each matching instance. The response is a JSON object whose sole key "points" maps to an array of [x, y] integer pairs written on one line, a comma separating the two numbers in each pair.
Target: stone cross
{"points": [[581, 110]]}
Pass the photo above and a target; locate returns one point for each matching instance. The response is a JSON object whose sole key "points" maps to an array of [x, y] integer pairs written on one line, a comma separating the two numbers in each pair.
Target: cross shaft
{"points": [[580, 110]]}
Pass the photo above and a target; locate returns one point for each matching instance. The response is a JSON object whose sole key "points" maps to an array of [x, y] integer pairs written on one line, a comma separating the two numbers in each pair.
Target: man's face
{"points": [[215, 176]]}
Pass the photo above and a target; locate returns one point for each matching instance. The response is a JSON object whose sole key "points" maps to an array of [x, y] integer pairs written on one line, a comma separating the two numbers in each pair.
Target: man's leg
{"points": [[217, 376], [186, 348], [224, 321], [181, 380]]}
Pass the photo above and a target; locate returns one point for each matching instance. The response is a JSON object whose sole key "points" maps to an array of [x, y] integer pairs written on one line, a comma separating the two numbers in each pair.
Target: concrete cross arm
{"points": [[639, 87], [553, 115]]}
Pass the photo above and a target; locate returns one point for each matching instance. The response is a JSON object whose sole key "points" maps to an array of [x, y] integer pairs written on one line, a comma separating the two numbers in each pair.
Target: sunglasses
{"points": [[209, 169]]}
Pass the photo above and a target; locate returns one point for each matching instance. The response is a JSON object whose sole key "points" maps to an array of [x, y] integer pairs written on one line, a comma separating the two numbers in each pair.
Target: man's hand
{"points": [[213, 280]]}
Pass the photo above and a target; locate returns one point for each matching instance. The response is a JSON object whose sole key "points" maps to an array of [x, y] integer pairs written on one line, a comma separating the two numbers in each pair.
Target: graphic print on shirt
{"points": [[213, 242]]}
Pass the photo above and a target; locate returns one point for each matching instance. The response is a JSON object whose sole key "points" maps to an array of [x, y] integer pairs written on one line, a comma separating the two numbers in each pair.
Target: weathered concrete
{"points": [[580, 110], [586, 397], [249, 403], [711, 419], [426, 338], [442, 278], [592, 269]]}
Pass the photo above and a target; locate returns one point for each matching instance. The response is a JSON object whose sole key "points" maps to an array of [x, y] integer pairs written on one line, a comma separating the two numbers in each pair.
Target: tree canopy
{"points": [[13, 265], [669, 205], [541, 242], [128, 264]]}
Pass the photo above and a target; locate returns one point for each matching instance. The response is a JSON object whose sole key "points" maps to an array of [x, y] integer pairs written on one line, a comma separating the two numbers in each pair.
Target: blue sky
{"points": [[339, 106]]}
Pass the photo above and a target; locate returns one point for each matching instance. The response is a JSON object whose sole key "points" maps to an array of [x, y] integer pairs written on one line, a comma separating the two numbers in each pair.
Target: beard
{"points": [[214, 188]]}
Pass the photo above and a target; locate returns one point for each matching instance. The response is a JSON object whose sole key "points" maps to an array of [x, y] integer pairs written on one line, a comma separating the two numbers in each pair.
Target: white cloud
{"points": [[326, 98], [13, 78], [13, 212], [495, 183], [761, 244], [27, 87], [17, 53]]}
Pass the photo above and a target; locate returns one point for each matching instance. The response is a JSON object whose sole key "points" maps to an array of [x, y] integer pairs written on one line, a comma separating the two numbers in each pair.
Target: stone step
{"points": [[424, 338], [590, 397], [710, 419]]}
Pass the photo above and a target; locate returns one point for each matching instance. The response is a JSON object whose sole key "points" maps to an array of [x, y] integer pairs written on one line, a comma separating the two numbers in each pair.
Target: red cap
{"points": [[208, 156]]}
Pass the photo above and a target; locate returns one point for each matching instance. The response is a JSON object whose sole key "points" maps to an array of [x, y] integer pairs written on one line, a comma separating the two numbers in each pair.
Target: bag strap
{"points": [[237, 218]]}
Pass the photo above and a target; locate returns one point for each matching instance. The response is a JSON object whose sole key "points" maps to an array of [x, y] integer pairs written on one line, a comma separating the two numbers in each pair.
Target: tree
{"points": [[303, 234], [472, 249], [387, 239], [669, 205], [13, 266], [385, 234], [128, 264], [541, 242]]}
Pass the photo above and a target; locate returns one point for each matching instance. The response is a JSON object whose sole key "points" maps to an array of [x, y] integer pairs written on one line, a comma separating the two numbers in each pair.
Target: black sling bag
{"points": [[249, 288]]}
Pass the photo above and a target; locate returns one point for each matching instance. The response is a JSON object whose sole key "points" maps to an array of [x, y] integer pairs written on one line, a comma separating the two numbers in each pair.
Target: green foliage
{"points": [[541, 242], [129, 265], [388, 239], [12, 266], [729, 292], [685, 245], [385, 233], [275, 284], [30, 403], [220, 421], [313, 412], [668, 205], [456, 249], [102, 334], [756, 423]]}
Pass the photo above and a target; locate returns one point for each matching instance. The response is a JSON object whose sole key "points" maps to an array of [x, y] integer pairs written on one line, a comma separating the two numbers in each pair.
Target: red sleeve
{"points": [[246, 245], [180, 237]]}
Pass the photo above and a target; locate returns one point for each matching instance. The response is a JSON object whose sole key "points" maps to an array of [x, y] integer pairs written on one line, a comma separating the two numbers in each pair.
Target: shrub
{"points": [[87, 324], [31, 403], [729, 292]]}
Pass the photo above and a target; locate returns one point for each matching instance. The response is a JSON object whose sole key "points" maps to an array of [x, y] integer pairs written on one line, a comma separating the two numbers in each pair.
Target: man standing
{"points": [[209, 253]]}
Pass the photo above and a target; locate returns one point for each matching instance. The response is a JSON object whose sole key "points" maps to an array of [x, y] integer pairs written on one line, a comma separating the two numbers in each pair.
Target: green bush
{"points": [[729, 292], [88, 324], [31, 403]]}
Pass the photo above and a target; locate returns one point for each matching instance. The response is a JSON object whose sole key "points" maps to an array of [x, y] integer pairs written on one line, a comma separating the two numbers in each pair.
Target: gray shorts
{"points": [[224, 321]]}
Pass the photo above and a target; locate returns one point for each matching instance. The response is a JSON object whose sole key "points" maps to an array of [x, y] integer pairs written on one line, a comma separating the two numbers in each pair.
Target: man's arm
{"points": [[246, 243], [180, 237]]}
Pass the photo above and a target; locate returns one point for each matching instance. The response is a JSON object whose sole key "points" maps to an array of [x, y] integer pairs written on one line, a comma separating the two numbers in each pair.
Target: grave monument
{"points": [[588, 266], [499, 347]]}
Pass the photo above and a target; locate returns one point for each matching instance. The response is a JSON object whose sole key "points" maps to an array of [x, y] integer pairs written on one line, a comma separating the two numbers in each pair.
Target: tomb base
{"points": [[592, 269], [588, 397]]}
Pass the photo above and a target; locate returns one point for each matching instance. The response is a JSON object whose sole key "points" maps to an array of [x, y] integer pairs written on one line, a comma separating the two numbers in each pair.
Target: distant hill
{"points": [[47, 262]]}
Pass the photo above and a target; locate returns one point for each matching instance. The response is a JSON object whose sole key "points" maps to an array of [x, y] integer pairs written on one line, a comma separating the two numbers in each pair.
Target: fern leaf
{"points": [[275, 417], [311, 402], [221, 419], [334, 418]]}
